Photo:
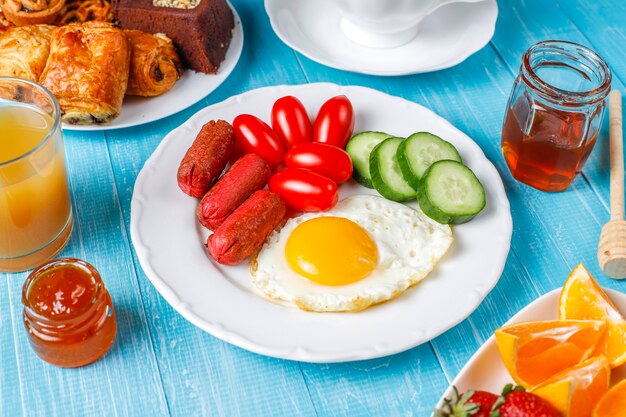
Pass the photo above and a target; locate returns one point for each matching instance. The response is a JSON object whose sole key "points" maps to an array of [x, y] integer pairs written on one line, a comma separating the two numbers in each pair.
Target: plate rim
{"points": [[298, 353], [490, 30], [237, 30]]}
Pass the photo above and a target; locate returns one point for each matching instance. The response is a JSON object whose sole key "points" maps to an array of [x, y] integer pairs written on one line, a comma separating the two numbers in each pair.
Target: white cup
{"points": [[386, 23]]}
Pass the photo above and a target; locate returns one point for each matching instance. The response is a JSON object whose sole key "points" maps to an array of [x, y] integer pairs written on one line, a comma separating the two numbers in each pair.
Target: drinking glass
{"points": [[35, 208]]}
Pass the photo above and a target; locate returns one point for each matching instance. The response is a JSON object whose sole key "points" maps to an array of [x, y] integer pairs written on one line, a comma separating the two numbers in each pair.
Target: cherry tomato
{"points": [[304, 190], [321, 158], [334, 122], [291, 122], [253, 135]]}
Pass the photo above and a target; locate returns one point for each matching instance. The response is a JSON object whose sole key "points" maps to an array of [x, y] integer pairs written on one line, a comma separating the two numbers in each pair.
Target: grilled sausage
{"points": [[247, 175], [245, 230], [206, 158]]}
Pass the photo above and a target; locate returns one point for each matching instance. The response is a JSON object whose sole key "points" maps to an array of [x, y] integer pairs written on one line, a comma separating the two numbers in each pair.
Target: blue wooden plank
{"points": [[407, 384], [10, 387]]}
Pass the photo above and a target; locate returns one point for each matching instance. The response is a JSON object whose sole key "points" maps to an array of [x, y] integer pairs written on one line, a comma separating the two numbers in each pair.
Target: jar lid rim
{"points": [[560, 95]]}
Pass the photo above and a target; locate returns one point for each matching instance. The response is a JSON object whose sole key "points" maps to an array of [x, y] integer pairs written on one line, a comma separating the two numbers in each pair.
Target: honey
{"points": [[554, 114], [68, 313], [551, 153]]}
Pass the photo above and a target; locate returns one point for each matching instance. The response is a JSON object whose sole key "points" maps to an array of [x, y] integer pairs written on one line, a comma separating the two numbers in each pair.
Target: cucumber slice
{"points": [[385, 172], [421, 150], [450, 193], [359, 148]]}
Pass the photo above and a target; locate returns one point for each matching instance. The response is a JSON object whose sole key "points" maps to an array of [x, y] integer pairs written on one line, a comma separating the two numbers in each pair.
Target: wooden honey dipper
{"points": [[612, 245]]}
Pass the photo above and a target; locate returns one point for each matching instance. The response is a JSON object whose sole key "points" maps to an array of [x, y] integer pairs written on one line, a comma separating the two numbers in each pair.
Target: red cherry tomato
{"points": [[321, 158], [334, 122], [291, 122], [304, 190], [253, 135]]}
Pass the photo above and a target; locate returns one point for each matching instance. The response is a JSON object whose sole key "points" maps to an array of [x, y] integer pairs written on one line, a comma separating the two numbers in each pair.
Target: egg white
{"points": [[409, 246]]}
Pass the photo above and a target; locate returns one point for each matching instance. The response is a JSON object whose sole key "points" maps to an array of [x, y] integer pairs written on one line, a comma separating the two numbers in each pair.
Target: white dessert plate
{"points": [[445, 38], [188, 90], [220, 299], [485, 370]]}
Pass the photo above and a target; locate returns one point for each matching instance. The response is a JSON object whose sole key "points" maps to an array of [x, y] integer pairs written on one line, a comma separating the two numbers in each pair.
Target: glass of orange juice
{"points": [[35, 208]]}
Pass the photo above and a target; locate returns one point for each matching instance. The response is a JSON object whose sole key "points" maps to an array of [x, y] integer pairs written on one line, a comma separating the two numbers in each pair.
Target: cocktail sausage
{"points": [[248, 174], [245, 230], [206, 158]]}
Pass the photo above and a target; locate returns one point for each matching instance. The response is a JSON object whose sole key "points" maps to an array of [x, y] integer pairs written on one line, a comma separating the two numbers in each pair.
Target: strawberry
{"points": [[516, 402], [471, 403]]}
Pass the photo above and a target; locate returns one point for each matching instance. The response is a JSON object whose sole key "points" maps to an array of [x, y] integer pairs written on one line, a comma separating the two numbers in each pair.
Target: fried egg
{"points": [[365, 251]]}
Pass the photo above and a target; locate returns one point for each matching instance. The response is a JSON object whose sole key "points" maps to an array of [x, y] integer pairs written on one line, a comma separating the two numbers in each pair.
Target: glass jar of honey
{"points": [[68, 313], [554, 113]]}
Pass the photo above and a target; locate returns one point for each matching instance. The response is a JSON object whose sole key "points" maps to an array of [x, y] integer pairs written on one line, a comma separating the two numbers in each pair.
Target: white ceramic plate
{"points": [[219, 299], [188, 90], [485, 369], [445, 38]]}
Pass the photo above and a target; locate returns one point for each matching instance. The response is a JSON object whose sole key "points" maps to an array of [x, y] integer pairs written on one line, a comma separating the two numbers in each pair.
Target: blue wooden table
{"points": [[161, 365]]}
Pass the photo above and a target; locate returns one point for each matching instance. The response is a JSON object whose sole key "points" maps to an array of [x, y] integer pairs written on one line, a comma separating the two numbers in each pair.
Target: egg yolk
{"points": [[331, 251]]}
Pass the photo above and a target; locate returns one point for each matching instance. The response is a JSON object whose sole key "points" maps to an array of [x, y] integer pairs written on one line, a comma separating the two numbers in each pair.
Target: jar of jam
{"points": [[554, 113], [68, 313]]}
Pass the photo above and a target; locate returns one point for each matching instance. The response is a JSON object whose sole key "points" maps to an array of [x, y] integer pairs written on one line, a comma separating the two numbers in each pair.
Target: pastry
{"points": [[87, 71], [80, 11], [24, 51], [4, 22], [201, 29], [154, 64], [31, 12]]}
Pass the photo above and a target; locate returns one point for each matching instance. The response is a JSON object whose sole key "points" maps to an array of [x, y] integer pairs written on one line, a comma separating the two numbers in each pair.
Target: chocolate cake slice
{"points": [[201, 29]]}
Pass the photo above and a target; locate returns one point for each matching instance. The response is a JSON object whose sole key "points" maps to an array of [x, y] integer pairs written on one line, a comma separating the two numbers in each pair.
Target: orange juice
{"points": [[35, 209]]}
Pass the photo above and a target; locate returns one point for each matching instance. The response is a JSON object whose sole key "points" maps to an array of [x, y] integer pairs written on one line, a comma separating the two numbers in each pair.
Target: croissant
{"points": [[87, 71], [24, 51], [154, 64], [31, 12]]}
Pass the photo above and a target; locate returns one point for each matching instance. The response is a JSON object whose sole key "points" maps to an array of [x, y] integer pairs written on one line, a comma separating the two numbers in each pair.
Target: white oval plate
{"points": [[445, 38], [219, 299], [188, 90], [485, 370]]}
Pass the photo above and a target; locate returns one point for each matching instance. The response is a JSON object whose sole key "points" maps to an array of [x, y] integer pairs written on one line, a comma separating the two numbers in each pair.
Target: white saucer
{"points": [[445, 38]]}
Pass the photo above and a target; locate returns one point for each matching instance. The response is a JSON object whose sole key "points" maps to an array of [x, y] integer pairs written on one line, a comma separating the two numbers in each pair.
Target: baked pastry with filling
{"points": [[87, 71], [201, 29], [4, 22], [31, 12], [80, 11], [154, 64], [24, 51]]}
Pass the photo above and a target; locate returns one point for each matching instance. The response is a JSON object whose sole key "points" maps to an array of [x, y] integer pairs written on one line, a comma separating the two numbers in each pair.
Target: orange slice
{"points": [[583, 299], [534, 351], [575, 391], [613, 403]]}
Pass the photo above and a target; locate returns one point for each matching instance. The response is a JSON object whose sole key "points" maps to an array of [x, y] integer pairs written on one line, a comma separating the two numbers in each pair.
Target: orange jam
{"points": [[68, 313]]}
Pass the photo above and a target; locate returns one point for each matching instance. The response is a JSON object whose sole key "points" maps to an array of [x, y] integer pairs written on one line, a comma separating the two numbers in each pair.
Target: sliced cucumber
{"points": [[450, 193], [385, 172], [359, 148], [419, 151]]}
